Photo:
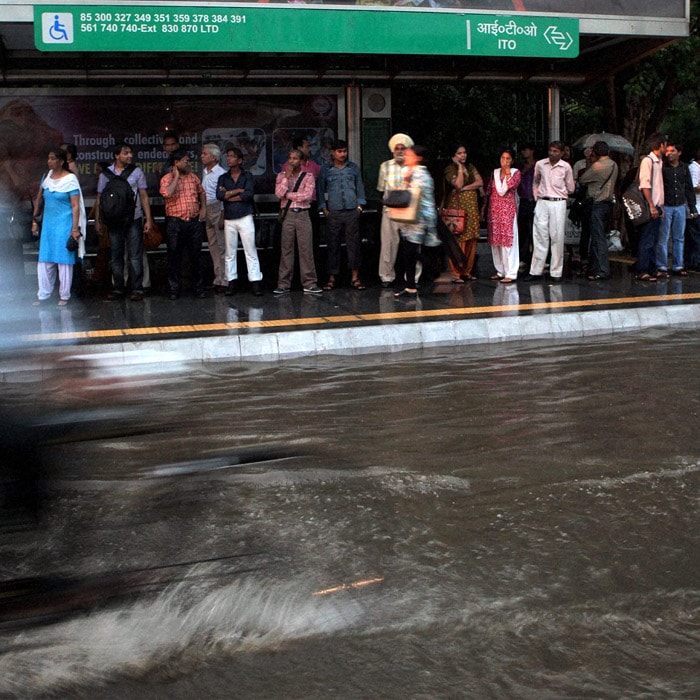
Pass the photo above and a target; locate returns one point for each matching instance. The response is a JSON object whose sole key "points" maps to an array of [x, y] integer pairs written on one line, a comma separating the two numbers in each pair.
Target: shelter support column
{"points": [[554, 112], [353, 101]]}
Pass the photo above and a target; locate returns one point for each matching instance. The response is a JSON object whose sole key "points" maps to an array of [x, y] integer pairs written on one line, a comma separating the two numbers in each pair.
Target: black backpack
{"points": [[118, 200]]}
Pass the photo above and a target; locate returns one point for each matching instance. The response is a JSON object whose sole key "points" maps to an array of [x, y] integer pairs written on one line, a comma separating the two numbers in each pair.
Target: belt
{"points": [[554, 199], [296, 210]]}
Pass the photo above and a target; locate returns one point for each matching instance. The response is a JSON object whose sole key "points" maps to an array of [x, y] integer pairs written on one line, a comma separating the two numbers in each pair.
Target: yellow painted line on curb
{"points": [[354, 318]]}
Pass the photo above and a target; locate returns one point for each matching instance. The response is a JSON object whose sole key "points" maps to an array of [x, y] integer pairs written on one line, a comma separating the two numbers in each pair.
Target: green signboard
{"points": [[299, 29]]}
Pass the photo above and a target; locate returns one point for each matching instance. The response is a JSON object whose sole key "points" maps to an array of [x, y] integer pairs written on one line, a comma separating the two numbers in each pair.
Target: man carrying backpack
{"points": [[122, 202]]}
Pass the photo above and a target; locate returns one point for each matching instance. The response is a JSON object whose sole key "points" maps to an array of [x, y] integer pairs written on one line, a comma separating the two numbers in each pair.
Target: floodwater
{"points": [[518, 521]]}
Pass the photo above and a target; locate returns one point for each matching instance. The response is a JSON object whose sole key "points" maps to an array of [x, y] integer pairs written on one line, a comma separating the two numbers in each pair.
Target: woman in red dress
{"points": [[503, 219]]}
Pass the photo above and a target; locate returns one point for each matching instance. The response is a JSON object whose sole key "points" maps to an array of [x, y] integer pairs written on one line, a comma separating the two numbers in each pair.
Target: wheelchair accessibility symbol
{"points": [[57, 27]]}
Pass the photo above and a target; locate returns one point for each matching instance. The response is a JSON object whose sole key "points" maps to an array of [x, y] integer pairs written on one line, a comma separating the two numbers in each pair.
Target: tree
{"points": [[658, 87]]}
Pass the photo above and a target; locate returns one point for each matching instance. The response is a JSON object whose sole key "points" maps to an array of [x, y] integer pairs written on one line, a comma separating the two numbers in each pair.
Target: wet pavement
{"points": [[347, 321]]}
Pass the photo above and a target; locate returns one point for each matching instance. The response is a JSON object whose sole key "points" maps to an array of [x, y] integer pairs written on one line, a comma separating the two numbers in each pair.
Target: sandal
{"points": [[457, 280], [328, 286], [597, 278], [661, 274], [507, 280], [680, 273], [405, 293], [493, 277], [356, 284], [63, 302], [645, 277], [470, 278]]}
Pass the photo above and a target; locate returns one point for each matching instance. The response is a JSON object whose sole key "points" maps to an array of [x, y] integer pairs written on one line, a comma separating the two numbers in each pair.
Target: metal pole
{"points": [[353, 99], [554, 112]]}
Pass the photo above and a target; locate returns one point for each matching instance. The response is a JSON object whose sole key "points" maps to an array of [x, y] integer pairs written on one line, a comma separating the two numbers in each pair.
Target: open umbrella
{"points": [[615, 142]]}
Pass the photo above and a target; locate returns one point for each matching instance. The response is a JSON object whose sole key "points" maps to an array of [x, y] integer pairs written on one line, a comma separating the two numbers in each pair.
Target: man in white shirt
{"points": [[391, 178], [212, 170], [692, 239]]}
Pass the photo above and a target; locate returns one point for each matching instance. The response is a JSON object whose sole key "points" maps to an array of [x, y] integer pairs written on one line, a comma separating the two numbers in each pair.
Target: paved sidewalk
{"points": [[245, 327]]}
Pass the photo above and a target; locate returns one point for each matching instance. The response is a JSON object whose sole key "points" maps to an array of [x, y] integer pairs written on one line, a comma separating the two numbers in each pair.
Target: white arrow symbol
{"points": [[554, 36]]}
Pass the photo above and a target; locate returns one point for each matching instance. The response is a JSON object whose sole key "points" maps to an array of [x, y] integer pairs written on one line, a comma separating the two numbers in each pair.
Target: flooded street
{"points": [[509, 521]]}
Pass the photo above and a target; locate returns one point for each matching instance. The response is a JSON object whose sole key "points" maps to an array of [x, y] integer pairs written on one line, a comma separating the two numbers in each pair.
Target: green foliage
{"points": [[658, 93], [582, 113]]}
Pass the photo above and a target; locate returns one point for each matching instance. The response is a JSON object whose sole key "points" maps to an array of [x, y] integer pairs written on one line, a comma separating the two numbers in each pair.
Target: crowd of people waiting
{"points": [[526, 205]]}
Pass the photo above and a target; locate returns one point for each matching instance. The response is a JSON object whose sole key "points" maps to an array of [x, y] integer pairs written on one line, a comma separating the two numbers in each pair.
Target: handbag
{"points": [[152, 239], [72, 244], [454, 219], [636, 205], [577, 212], [406, 214], [399, 199], [614, 242]]}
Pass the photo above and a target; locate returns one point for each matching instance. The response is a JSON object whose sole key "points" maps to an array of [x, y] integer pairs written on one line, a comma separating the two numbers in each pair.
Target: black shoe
{"points": [[231, 289], [257, 289], [115, 296], [555, 280], [387, 285], [201, 294], [532, 278], [136, 296], [219, 288], [174, 296]]}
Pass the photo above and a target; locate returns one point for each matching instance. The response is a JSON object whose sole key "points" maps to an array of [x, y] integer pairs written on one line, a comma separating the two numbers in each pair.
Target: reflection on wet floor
{"points": [[91, 319]]}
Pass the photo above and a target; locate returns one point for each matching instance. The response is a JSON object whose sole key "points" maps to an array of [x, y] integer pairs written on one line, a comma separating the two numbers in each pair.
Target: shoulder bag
{"points": [[152, 239], [635, 204], [454, 219], [283, 212]]}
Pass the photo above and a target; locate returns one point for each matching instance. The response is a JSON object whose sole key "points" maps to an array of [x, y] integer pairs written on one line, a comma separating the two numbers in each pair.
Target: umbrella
{"points": [[615, 142]]}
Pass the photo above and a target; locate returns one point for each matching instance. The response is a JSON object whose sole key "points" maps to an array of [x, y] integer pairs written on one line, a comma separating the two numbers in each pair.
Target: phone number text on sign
{"points": [[159, 22]]}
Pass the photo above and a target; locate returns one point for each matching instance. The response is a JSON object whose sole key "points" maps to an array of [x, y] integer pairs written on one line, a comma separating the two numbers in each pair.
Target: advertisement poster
{"points": [[262, 126], [579, 8]]}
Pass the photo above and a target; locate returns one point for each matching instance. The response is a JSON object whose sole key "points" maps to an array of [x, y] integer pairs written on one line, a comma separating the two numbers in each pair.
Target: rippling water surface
{"points": [[510, 522]]}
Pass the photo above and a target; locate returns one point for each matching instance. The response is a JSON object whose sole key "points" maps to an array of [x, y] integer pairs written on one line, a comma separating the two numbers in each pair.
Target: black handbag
{"points": [[636, 205], [72, 244], [397, 199]]}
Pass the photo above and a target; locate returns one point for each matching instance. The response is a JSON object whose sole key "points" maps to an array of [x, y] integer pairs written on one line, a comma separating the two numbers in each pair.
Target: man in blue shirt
{"points": [[341, 197]]}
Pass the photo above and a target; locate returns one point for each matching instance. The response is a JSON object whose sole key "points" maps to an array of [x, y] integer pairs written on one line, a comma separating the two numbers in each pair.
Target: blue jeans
{"points": [[648, 237], [599, 216], [692, 244], [132, 239], [673, 224]]}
